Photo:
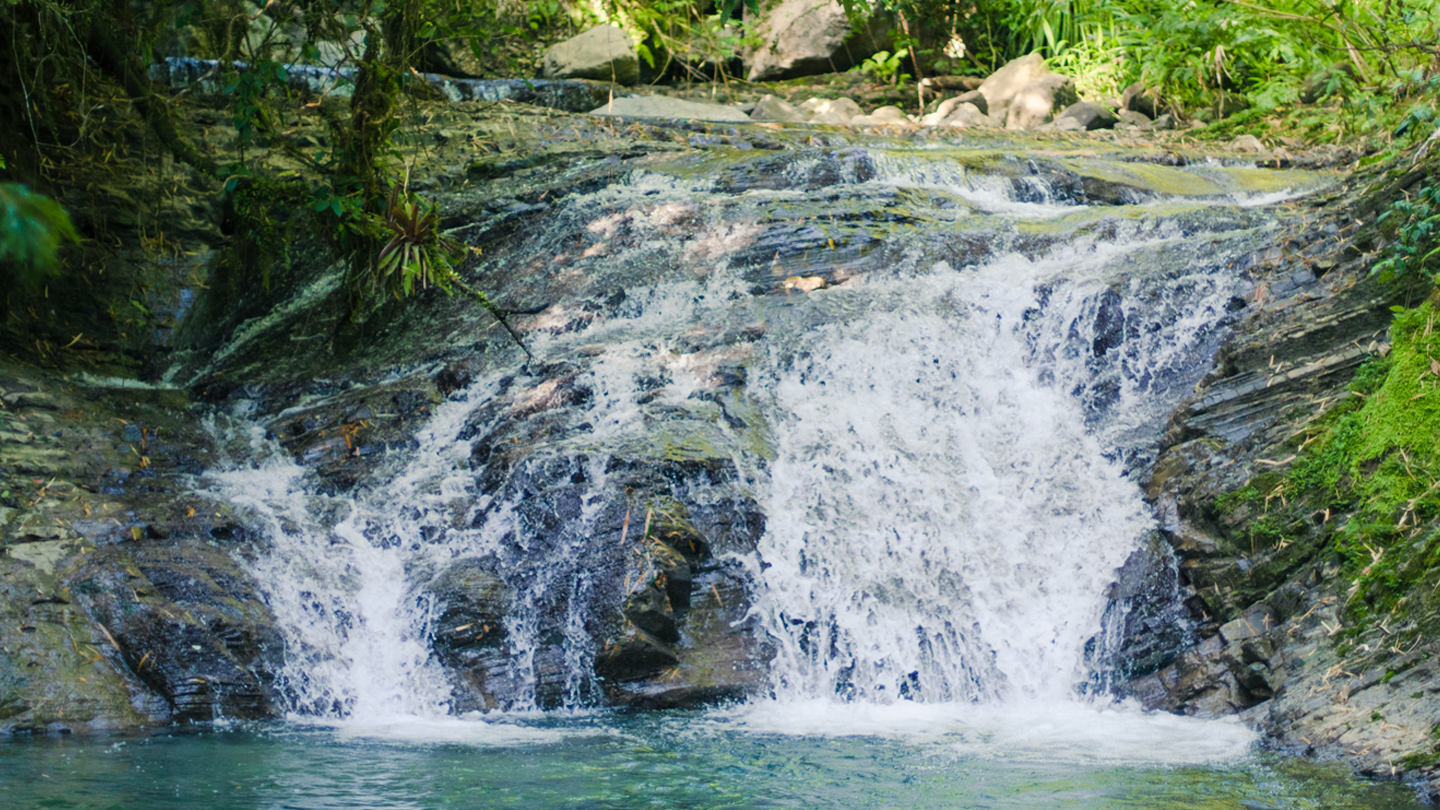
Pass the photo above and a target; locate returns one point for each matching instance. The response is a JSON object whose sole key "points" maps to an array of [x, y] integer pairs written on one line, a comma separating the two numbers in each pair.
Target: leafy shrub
{"points": [[1416, 252], [885, 66], [32, 228]]}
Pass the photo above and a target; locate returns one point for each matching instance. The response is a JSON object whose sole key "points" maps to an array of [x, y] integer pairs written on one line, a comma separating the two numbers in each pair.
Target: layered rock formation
{"points": [[1265, 599]]}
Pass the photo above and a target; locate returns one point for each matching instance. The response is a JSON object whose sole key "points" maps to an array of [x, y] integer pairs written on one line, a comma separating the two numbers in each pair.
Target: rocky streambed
{"points": [[651, 262]]}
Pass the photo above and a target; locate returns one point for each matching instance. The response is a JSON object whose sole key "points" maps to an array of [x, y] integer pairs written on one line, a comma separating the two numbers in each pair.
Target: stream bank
{"points": [[1270, 570]]}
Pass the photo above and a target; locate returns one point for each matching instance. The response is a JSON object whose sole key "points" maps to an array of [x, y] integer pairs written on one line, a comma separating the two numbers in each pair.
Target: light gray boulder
{"points": [[774, 108], [888, 115], [1086, 115], [665, 107], [1165, 121], [1137, 119], [946, 107], [1142, 100], [1247, 143], [966, 116], [808, 37], [1037, 102], [604, 53], [1002, 85], [978, 99], [974, 98], [830, 110]]}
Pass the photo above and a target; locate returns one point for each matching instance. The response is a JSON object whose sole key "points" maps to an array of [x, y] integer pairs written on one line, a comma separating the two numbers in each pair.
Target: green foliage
{"points": [[1097, 61], [1371, 375], [32, 228], [249, 88], [885, 66], [695, 37], [1045, 26], [415, 254], [269, 218], [1405, 412], [1218, 54], [727, 9], [1326, 465], [1382, 462], [1416, 224]]}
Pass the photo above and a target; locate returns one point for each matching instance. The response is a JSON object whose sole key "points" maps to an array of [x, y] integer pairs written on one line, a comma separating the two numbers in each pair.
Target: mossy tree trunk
{"points": [[389, 48]]}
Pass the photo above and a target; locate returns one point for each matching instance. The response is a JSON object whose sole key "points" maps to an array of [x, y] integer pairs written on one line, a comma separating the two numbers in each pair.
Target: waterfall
{"points": [[339, 570], [951, 495], [942, 453]]}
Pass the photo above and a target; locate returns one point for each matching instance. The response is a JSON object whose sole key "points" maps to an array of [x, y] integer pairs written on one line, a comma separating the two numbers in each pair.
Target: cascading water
{"points": [[336, 575], [943, 473], [950, 498]]}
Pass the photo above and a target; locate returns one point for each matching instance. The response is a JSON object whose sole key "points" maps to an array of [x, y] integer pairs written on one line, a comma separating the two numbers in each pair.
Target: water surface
{"points": [[909, 756]]}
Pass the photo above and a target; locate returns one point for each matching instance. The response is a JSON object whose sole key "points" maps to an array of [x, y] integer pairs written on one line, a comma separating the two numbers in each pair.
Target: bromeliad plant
{"points": [[416, 253]]}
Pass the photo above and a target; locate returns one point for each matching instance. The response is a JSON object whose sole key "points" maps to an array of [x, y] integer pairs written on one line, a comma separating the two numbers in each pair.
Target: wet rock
{"points": [[56, 664], [1276, 636], [1263, 378], [1256, 623], [806, 37], [210, 654], [145, 616], [1236, 669], [1148, 623], [614, 562], [633, 654], [603, 53], [621, 613], [469, 637]]}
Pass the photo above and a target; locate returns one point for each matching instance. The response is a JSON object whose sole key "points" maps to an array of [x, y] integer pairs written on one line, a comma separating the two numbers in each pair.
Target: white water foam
{"points": [[341, 573], [946, 510], [989, 193], [1048, 732]]}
